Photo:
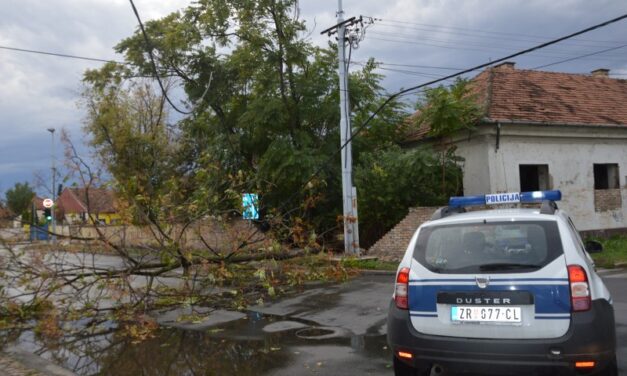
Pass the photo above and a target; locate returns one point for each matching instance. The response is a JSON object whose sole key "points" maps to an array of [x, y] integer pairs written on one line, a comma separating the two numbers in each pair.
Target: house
{"points": [[5, 216], [548, 130], [87, 205]]}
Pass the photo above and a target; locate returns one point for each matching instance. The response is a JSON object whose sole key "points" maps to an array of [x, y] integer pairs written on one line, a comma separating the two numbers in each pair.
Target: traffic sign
{"points": [[48, 203]]}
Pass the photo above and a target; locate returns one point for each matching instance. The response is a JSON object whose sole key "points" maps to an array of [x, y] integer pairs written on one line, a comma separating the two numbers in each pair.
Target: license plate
{"points": [[486, 314]]}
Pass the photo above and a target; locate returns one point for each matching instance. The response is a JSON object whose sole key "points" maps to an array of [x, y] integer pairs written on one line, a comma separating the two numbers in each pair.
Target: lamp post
{"points": [[54, 178]]}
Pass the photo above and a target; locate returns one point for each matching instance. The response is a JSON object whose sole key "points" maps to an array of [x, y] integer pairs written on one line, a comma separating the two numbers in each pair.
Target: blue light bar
{"points": [[539, 196], [505, 198]]}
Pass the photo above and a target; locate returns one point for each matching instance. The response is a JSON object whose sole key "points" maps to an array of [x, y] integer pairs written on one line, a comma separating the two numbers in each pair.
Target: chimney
{"points": [[602, 72], [509, 65]]}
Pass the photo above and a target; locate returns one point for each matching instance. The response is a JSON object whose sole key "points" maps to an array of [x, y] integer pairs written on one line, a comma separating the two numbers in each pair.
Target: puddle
{"points": [[318, 333], [240, 347]]}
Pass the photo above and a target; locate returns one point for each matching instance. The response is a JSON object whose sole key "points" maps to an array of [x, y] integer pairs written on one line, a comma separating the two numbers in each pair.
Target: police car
{"points": [[500, 292]]}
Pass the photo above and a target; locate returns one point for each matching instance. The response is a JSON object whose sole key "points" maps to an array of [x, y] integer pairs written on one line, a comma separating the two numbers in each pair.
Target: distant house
{"points": [[88, 205], [5, 216], [547, 130]]}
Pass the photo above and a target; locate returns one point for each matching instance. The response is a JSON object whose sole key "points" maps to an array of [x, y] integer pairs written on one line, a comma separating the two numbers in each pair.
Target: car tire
{"points": [[403, 369], [611, 369]]}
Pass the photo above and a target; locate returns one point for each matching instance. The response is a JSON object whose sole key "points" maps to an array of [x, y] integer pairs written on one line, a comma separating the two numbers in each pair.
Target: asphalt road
{"points": [[616, 282], [324, 330], [351, 307]]}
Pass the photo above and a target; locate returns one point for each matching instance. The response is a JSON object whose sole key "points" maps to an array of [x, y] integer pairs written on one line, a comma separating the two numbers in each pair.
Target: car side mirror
{"points": [[593, 246]]}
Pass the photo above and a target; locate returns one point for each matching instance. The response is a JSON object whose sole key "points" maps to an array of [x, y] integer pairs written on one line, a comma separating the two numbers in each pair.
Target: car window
{"points": [[488, 247]]}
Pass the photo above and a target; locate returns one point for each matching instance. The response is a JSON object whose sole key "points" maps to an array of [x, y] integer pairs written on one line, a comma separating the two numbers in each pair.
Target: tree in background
{"points": [[19, 199], [263, 117], [447, 111]]}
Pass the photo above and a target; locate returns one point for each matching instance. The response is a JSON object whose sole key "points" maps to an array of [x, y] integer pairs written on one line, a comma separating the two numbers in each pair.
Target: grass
{"points": [[369, 264], [614, 252]]}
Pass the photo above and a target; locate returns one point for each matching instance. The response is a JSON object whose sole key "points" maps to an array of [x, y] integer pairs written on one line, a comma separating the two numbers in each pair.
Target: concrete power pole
{"points": [[349, 192], [54, 182]]}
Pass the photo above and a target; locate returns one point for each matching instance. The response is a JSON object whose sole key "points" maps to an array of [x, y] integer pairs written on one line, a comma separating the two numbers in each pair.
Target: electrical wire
{"points": [[487, 33], [62, 55], [481, 44], [580, 57], [152, 62], [549, 55]]}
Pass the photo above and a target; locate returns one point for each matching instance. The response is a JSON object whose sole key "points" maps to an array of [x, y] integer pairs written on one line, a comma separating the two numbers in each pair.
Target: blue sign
{"points": [[250, 205]]}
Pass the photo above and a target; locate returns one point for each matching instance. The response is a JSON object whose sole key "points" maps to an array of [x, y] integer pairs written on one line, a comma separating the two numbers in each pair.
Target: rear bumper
{"points": [[591, 337]]}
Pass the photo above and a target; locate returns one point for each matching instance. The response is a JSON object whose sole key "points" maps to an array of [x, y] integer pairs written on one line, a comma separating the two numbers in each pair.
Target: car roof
{"points": [[524, 214]]}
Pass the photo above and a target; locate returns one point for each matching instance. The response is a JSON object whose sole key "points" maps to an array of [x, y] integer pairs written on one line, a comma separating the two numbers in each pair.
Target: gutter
{"points": [[528, 122]]}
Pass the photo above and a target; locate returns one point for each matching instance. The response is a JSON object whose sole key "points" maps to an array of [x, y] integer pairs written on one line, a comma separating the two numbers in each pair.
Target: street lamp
{"points": [[54, 177]]}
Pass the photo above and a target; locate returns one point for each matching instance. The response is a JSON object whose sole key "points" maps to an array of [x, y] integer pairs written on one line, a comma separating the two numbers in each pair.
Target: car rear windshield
{"points": [[488, 247]]}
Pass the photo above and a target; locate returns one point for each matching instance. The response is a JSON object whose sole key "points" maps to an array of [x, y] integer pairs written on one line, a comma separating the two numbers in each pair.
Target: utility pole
{"points": [[349, 192], [54, 182]]}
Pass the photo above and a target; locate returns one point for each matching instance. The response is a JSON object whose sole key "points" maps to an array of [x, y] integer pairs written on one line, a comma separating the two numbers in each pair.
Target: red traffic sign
{"points": [[48, 203]]}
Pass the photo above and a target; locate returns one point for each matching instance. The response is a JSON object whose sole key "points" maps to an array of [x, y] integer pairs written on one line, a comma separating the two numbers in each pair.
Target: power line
{"points": [[549, 55], [489, 33], [581, 57], [152, 62], [417, 66], [62, 55], [455, 43]]}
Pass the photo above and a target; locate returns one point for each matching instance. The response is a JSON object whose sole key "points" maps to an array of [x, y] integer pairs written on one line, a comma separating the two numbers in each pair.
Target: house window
{"points": [[534, 177], [606, 176], [607, 195]]}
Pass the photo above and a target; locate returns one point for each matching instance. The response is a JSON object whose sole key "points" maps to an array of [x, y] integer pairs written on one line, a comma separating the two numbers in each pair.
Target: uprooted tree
{"points": [[261, 115]]}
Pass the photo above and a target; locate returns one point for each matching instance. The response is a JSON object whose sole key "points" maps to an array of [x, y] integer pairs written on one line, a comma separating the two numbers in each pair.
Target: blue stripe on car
{"points": [[549, 298]]}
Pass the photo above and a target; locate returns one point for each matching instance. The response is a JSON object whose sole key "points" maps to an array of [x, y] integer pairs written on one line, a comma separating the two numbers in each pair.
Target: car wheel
{"points": [[611, 369], [403, 369]]}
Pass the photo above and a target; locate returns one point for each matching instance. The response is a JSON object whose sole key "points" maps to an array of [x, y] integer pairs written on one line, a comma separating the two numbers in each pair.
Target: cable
{"points": [[474, 49], [456, 43], [153, 64], [490, 33], [417, 66], [62, 55], [580, 57]]}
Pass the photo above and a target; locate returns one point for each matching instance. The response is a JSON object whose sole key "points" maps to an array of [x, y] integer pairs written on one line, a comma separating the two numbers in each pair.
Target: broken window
{"points": [[607, 195], [606, 176], [534, 178]]}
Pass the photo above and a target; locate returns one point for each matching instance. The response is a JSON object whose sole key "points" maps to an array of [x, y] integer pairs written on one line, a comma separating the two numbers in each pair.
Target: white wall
{"points": [[476, 153], [570, 153]]}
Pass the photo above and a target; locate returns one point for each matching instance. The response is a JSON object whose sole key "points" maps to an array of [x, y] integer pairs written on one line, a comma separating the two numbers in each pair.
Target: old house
{"points": [[548, 130], [87, 205]]}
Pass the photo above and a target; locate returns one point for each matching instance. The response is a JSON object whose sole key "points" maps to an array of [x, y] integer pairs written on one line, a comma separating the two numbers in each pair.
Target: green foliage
{"points": [[265, 118], [614, 252], [393, 180], [447, 110], [369, 264], [19, 199]]}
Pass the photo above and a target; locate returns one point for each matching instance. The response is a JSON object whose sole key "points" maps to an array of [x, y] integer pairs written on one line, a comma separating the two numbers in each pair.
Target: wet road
{"points": [[617, 284], [277, 338]]}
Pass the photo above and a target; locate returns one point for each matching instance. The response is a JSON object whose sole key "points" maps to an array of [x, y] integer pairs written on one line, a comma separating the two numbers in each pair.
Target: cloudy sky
{"points": [[416, 40]]}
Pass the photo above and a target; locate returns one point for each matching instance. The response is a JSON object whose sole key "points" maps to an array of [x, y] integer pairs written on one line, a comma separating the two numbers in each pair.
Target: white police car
{"points": [[499, 292]]}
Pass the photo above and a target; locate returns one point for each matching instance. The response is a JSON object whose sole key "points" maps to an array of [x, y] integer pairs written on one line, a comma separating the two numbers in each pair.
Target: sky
{"points": [[415, 40]]}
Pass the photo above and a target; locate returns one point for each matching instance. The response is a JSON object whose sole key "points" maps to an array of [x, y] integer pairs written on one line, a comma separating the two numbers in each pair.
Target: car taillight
{"points": [[579, 288], [402, 286]]}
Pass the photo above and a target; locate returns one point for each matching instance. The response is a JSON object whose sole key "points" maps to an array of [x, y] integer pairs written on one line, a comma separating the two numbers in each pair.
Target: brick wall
{"points": [[607, 199], [392, 245]]}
